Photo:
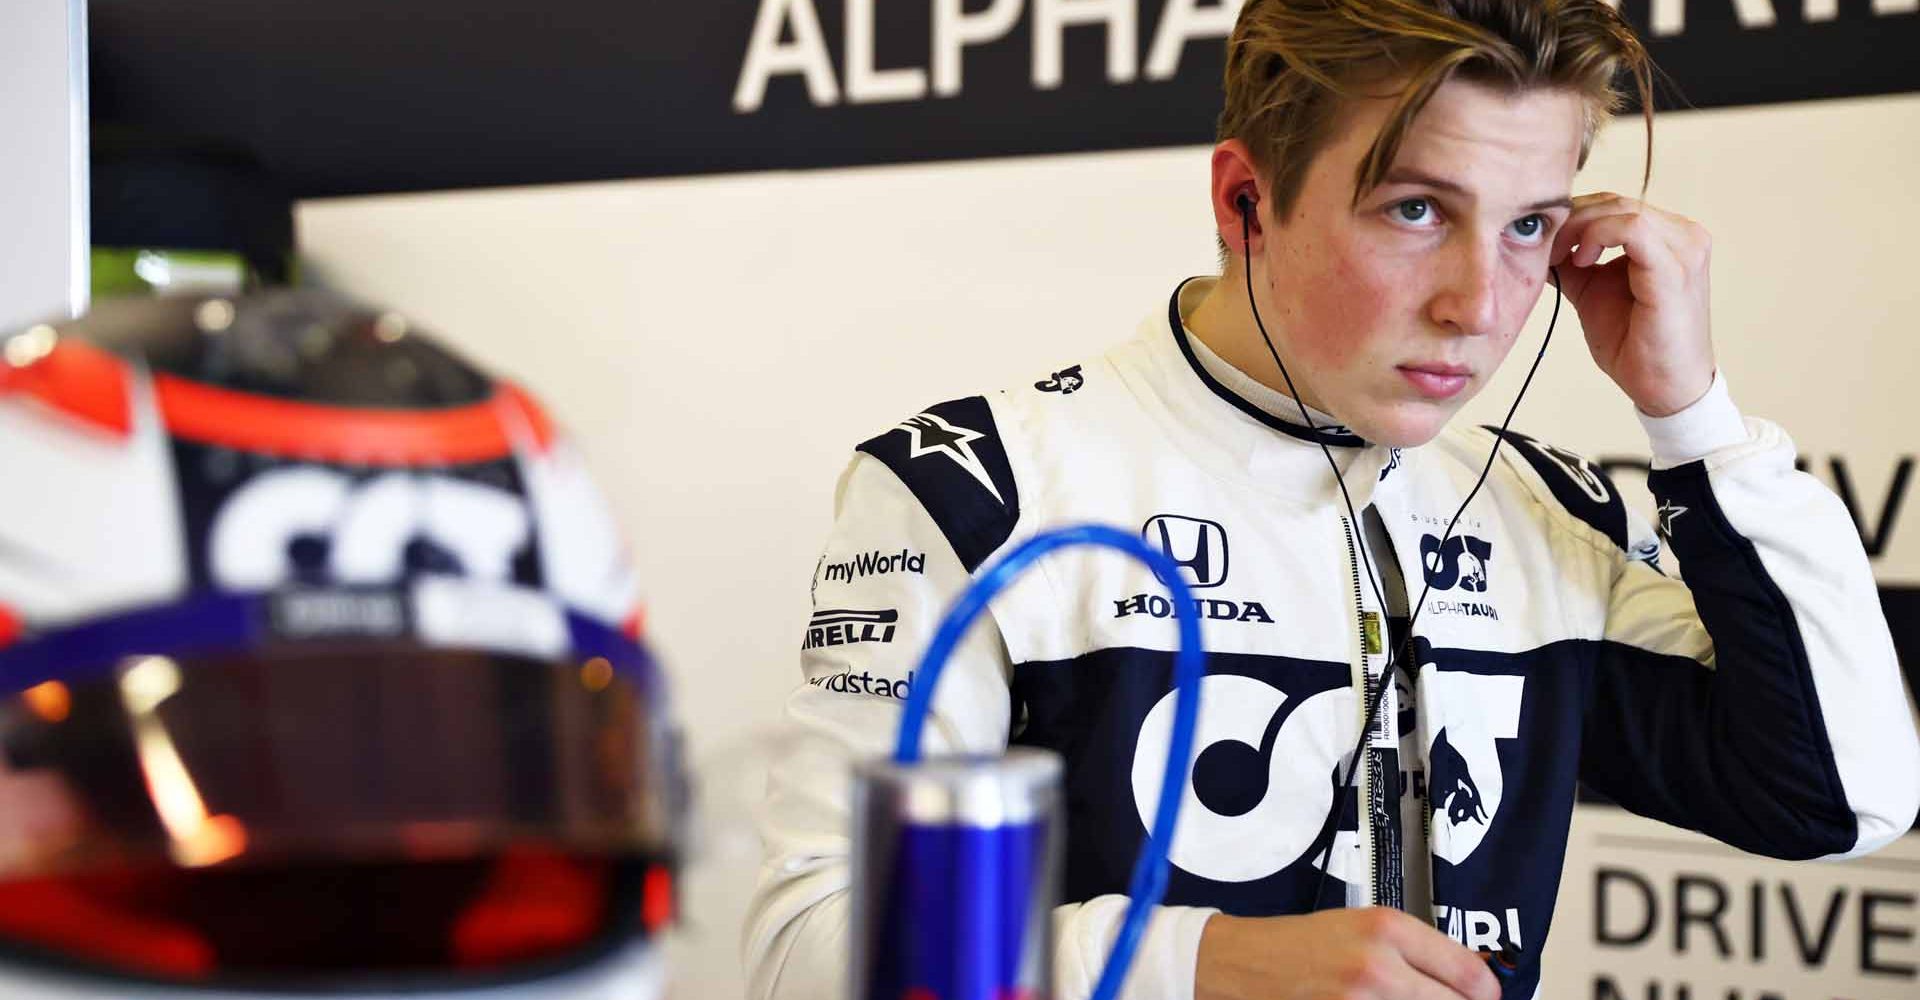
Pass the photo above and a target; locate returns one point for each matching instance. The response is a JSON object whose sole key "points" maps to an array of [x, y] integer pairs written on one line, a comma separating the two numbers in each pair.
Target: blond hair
{"points": [[1292, 63]]}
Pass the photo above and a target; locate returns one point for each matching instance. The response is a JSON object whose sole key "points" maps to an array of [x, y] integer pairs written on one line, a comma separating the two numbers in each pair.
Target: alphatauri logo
{"points": [[1460, 562]]}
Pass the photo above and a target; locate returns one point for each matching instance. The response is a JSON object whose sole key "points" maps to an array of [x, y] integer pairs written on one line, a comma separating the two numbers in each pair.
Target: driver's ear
{"points": [[1238, 190]]}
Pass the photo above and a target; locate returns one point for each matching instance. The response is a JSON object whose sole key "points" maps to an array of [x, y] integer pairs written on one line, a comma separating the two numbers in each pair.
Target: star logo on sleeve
{"points": [[930, 435], [1669, 512]]}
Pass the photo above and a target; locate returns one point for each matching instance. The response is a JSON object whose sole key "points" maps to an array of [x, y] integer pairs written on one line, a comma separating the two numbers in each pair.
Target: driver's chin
{"points": [[1405, 425]]}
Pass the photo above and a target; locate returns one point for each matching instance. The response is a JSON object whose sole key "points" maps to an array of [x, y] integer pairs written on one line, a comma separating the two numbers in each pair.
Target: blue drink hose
{"points": [[1149, 882]]}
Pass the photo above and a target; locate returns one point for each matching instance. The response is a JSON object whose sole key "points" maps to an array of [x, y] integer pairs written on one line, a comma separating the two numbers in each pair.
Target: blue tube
{"points": [[1149, 881]]}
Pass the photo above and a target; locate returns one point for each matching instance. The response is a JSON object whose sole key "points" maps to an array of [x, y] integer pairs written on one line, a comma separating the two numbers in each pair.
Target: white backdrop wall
{"points": [[719, 345], [43, 172]]}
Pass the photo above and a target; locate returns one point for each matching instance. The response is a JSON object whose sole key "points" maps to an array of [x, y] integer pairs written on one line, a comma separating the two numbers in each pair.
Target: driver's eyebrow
{"points": [[1408, 175]]}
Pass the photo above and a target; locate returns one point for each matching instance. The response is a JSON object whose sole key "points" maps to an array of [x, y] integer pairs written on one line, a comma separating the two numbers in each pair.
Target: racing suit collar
{"points": [[1234, 436], [1243, 391]]}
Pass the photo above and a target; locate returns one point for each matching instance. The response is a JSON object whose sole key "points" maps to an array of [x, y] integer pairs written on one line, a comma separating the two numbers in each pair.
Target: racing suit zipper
{"points": [[1376, 790], [1366, 779]]}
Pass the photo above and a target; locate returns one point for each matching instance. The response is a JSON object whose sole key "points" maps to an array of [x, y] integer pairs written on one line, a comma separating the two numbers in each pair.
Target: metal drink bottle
{"points": [[956, 871]]}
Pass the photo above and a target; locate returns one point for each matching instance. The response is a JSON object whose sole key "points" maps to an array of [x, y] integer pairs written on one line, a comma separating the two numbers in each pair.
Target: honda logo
{"points": [[1197, 546]]}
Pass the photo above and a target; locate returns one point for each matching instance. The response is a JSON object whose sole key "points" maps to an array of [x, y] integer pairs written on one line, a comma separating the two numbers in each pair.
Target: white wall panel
{"points": [[43, 172]]}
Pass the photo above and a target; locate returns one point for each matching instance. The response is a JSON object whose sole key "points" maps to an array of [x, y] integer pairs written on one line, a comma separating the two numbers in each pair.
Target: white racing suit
{"points": [[1758, 701]]}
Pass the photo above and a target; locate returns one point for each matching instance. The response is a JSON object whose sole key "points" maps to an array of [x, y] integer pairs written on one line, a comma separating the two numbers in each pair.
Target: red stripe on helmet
{"points": [[515, 398], [78, 380], [656, 899], [360, 436], [98, 918], [535, 904]]}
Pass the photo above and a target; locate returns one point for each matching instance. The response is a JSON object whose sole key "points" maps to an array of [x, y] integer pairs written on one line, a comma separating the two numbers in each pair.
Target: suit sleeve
{"points": [[862, 645], [1759, 701]]}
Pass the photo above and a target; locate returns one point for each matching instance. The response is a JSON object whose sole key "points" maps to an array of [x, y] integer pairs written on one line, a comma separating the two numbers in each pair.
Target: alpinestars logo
{"points": [[844, 628], [1669, 512], [1459, 563], [1064, 382], [931, 435], [876, 564]]}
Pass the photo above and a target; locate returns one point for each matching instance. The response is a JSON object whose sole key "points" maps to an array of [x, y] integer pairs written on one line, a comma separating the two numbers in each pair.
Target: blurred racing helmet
{"points": [[320, 670]]}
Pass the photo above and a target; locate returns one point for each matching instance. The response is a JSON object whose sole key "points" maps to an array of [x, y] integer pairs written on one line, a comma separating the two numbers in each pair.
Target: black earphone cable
{"points": [[1377, 697]]}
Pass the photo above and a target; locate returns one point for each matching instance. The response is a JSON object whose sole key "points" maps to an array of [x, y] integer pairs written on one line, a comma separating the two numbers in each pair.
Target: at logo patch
{"points": [[1258, 791], [314, 524]]}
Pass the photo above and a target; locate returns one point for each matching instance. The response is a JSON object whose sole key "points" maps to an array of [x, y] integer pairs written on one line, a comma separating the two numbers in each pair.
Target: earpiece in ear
{"points": [[1244, 200]]}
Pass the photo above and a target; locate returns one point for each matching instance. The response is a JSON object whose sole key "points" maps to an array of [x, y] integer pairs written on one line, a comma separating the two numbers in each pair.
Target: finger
{"points": [[1586, 209], [1647, 241], [1677, 230], [1580, 280], [1445, 962], [1580, 231], [1416, 985], [1590, 200]]}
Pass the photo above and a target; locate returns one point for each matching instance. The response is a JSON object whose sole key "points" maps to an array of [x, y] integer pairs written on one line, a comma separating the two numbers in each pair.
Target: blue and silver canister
{"points": [[956, 871]]}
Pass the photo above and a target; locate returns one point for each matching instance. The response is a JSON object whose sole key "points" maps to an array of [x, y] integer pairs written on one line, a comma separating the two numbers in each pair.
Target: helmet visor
{"points": [[307, 814]]}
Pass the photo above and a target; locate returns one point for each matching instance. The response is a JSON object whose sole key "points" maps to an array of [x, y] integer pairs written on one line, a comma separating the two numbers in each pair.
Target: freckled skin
{"points": [[1354, 293]]}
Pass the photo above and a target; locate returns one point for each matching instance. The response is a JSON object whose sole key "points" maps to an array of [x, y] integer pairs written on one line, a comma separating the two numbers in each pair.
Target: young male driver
{"points": [[1409, 167]]}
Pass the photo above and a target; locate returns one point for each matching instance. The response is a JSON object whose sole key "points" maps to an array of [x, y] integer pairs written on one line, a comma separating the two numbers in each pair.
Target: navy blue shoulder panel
{"points": [[951, 457], [1578, 484]]}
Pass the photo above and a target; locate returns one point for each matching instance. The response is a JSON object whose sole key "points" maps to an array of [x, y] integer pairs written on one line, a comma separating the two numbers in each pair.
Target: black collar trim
{"points": [[1337, 439]]}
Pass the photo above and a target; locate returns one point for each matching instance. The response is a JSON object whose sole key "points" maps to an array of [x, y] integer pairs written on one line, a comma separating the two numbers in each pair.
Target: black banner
{"points": [[1902, 605], [361, 96]]}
